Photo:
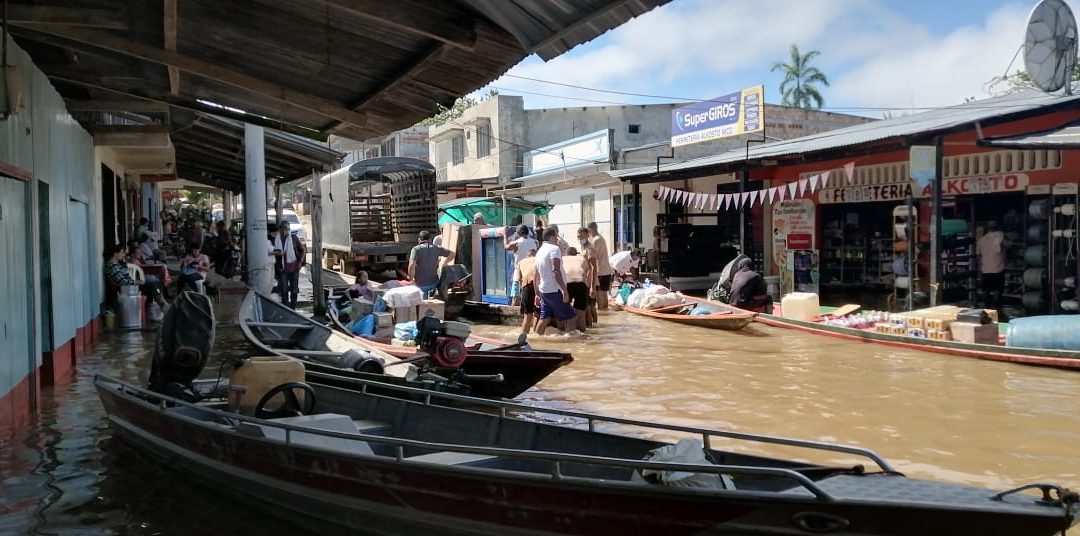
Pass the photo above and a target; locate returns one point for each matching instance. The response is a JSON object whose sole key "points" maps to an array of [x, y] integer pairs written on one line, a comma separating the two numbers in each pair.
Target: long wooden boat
{"points": [[721, 316], [279, 330], [404, 463], [1028, 356]]}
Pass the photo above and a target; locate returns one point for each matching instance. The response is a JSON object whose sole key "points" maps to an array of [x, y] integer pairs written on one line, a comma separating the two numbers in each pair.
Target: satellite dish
{"points": [[1050, 45]]}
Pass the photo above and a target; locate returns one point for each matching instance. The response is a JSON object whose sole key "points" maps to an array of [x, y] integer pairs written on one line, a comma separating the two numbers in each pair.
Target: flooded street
{"points": [[940, 417]]}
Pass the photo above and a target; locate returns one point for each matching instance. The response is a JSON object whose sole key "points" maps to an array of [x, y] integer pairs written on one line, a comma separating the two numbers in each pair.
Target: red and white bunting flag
{"points": [[704, 202], [753, 197], [661, 193], [679, 196], [791, 187], [802, 186], [725, 201], [743, 197], [772, 194], [695, 200], [825, 179], [712, 202], [813, 182], [849, 170], [780, 190]]}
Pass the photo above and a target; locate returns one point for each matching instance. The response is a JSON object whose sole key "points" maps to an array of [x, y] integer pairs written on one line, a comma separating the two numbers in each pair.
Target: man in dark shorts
{"points": [[526, 273], [603, 267], [576, 269], [552, 295]]}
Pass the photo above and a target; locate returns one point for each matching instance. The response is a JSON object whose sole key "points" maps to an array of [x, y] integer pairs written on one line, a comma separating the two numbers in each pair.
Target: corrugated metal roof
{"points": [[909, 125], [1066, 137], [549, 28]]}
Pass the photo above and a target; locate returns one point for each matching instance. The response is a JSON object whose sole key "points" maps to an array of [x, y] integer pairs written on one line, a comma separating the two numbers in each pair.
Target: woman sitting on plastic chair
{"points": [[116, 274], [193, 269]]}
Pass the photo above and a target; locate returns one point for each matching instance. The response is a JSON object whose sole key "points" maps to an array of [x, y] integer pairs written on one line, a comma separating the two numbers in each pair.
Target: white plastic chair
{"points": [[135, 272]]}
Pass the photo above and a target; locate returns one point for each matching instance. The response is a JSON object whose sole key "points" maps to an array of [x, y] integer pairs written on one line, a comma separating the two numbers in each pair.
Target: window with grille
{"points": [[483, 140], [457, 149], [588, 209]]}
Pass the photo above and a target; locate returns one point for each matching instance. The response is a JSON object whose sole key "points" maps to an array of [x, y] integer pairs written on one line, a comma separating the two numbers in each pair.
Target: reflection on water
{"points": [[947, 418]]}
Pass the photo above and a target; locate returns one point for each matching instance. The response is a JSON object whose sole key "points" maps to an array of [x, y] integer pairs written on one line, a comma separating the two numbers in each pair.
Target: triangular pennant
{"points": [[685, 198], [772, 194], [678, 197], [665, 193], [849, 170], [703, 200], [753, 197], [743, 196], [780, 190], [694, 199], [716, 201], [802, 186], [825, 179], [813, 182], [791, 187], [725, 200], [660, 193]]}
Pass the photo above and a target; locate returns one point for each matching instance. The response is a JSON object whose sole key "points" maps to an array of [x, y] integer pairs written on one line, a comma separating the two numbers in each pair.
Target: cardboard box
{"points": [[384, 320], [974, 333], [404, 314], [938, 324], [362, 308], [993, 314], [434, 308]]}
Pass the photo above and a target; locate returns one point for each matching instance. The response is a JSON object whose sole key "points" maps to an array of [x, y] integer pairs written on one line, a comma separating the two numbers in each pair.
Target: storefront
{"points": [[849, 191]]}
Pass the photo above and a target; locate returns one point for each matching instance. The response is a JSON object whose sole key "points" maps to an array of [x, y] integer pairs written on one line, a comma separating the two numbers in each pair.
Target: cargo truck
{"points": [[372, 211]]}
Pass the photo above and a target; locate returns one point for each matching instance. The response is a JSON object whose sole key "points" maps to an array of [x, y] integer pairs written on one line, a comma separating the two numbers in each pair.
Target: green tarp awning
{"points": [[462, 210]]}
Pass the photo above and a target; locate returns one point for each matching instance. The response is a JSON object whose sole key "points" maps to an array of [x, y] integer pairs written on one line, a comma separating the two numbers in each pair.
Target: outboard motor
{"points": [[183, 346], [443, 341]]}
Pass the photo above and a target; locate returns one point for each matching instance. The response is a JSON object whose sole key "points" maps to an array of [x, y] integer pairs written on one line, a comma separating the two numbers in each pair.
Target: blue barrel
{"points": [[1061, 332]]}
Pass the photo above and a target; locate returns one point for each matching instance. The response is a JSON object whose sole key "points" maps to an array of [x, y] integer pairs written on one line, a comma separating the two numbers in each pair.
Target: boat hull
{"points": [[520, 370], [339, 493], [733, 320], [1027, 356]]}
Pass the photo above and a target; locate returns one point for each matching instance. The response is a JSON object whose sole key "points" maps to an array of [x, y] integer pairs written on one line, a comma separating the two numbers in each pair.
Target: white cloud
{"points": [[875, 56], [926, 70]]}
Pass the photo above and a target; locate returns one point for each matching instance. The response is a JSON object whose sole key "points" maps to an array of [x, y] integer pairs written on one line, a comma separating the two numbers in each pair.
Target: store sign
{"points": [[1013, 182], [733, 114], [594, 147], [793, 244]]}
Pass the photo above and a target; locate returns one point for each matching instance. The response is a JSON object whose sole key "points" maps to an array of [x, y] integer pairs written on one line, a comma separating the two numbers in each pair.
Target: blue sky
{"points": [[888, 54]]}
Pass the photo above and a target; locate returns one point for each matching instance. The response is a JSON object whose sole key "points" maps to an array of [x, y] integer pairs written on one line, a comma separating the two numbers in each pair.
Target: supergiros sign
{"points": [[730, 115], [1012, 182]]}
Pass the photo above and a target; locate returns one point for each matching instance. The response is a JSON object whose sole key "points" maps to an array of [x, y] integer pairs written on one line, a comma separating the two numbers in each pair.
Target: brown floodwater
{"points": [[945, 418], [940, 417]]}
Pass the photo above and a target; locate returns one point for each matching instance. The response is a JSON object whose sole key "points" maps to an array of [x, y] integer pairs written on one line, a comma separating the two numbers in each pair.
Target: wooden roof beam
{"points": [[270, 147], [179, 102], [136, 106], [66, 16], [441, 21], [137, 49], [171, 25], [434, 55]]}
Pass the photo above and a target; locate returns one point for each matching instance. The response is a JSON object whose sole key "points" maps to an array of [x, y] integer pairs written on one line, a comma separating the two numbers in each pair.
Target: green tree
{"points": [[445, 115], [799, 87]]}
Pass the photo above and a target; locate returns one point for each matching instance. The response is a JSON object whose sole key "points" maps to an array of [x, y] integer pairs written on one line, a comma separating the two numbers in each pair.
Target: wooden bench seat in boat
{"points": [[332, 422], [447, 457]]}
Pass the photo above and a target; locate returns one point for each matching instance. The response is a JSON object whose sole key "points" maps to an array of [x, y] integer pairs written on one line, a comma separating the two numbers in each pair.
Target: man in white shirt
{"points": [[552, 296], [520, 246], [563, 244], [991, 251]]}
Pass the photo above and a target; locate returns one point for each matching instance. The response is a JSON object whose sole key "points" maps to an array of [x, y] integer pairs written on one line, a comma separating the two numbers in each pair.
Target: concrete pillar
{"points": [[316, 263], [260, 270]]}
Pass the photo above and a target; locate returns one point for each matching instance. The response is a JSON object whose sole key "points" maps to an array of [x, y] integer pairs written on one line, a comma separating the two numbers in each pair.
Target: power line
{"points": [[692, 100]]}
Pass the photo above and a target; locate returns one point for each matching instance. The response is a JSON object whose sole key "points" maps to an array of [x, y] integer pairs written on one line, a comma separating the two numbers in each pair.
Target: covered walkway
{"points": [[109, 100]]}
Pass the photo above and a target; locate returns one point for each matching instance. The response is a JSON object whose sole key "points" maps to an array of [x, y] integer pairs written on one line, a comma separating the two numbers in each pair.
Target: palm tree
{"points": [[798, 87]]}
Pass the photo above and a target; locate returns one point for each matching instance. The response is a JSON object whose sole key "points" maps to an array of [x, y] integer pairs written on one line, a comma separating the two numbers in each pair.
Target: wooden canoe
{"points": [[280, 330], [1028, 356], [520, 365], [723, 316]]}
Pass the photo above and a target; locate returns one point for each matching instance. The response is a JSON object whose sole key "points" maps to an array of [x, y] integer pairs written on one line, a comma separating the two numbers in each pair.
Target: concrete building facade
{"points": [[630, 136]]}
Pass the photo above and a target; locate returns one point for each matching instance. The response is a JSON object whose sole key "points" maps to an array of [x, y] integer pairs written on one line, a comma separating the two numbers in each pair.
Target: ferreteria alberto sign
{"points": [[1012, 182], [733, 114]]}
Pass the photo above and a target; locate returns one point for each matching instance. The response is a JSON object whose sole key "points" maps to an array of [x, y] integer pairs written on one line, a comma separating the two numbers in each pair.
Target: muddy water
{"points": [[946, 418]]}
